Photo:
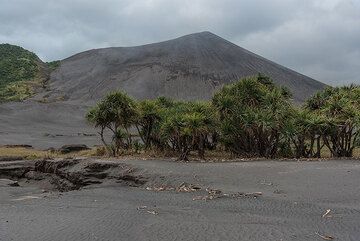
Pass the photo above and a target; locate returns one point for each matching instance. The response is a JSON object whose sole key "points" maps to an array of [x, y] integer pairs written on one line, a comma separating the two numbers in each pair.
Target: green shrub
{"points": [[253, 114], [20, 73], [251, 117], [340, 107]]}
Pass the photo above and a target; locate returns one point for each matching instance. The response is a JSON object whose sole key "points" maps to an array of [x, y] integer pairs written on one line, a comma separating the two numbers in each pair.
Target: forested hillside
{"points": [[21, 73]]}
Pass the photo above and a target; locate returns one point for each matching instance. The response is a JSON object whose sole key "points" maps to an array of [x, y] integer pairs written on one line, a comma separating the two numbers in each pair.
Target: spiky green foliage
{"points": [[340, 107], [303, 132], [252, 117], [150, 115], [53, 64], [176, 125], [253, 114], [20, 73], [189, 126], [117, 112]]}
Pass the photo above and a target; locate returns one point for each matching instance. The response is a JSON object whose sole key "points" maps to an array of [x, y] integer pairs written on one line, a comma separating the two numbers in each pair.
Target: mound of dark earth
{"points": [[75, 173], [191, 67], [69, 174]]}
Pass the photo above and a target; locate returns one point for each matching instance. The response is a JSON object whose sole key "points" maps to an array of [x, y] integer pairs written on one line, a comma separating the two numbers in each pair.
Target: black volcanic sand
{"points": [[295, 197], [45, 125]]}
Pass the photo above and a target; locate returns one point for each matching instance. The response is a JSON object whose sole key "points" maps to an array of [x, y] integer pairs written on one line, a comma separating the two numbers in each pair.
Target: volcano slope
{"points": [[190, 67]]}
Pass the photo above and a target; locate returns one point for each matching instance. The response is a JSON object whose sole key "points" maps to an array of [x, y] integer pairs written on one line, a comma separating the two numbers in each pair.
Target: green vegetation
{"points": [[250, 118], [116, 113], [184, 127], [253, 114], [53, 64], [33, 154], [339, 109], [21, 72]]}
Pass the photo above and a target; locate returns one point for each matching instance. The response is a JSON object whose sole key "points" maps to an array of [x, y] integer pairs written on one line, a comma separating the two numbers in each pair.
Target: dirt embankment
{"points": [[71, 174]]}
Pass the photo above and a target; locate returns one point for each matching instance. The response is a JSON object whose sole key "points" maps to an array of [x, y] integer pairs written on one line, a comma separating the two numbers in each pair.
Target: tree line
{"points": [[249, 118]]}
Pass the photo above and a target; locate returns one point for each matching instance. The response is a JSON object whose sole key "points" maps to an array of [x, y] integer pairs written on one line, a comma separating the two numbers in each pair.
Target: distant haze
{"points": [[319, 38]]}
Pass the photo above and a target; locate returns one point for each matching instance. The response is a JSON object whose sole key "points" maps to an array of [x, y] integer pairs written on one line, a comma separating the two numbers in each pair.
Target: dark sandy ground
{"points": [[295, 197], [45, 125]]}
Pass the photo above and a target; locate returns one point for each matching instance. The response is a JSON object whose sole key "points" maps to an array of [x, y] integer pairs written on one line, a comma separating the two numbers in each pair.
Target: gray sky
{"points": [[319, 38]]}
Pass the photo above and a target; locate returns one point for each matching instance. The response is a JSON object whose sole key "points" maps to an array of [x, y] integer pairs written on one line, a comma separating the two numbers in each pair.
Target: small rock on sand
{"points": [[8, 182], [73, 148]]}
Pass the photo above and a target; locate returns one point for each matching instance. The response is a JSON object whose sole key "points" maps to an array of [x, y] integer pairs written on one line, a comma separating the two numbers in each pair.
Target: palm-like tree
{"points": [[117, 112], [187, 126], [252, 113], [340, 106], [303, 131], [101, 118], [149, 118]]}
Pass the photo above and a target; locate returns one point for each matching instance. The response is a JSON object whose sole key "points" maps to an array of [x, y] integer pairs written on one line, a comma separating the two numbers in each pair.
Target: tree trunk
{"points": [[107, 147], [201, 147], [318, 147], [184, 155]]}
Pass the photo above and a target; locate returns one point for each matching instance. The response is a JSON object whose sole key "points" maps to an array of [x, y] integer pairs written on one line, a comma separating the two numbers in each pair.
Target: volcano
{"points": [[191, 67]]}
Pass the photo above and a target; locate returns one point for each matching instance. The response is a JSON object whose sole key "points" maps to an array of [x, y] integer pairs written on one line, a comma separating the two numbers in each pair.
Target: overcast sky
{"points": [[319, 38]]}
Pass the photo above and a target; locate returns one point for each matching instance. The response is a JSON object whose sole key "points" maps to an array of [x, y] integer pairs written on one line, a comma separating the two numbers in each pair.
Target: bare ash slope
{"points": [[189, 67]]}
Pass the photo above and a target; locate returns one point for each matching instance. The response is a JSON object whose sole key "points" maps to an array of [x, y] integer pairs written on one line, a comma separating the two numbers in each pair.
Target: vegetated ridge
{"points": [[21, 73]]}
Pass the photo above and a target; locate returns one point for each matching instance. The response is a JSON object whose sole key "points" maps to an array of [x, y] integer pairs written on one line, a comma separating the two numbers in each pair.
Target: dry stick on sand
{"points": [[325, 237], [184, 187], [326, 214], [153, 212], [264, 182], [142, 208], [213, 194]]}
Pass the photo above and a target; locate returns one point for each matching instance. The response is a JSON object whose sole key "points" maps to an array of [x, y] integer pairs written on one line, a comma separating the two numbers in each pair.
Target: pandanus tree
{"points": [[116, 113], [253, 113], [149, 118], [101, 118], [303, 132], [252, 117], [152, 113], [341, 108], [187, 126]]}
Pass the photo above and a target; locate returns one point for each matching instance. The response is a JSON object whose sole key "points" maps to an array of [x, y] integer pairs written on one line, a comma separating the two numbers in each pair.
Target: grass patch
{"points": [[357, 152], [26, 153], [31, 154], [217, 156], [19, 91]]}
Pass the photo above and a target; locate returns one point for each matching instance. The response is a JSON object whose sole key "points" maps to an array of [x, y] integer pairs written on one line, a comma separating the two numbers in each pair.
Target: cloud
{"points": [[316, 37], [322, 42]]}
